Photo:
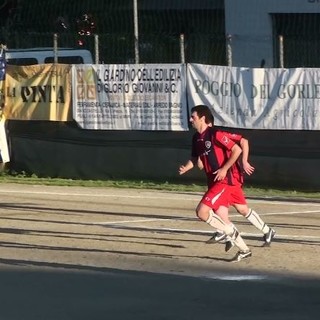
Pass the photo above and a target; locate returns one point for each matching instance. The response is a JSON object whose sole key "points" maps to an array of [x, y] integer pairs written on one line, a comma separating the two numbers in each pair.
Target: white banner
{"points": [[285, 99], [4, 150], [130, 97]]}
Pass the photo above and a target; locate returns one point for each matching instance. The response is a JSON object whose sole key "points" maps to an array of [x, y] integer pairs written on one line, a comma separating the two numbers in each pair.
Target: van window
{"points": [[22, 61], [65, 60], [25, 57]]}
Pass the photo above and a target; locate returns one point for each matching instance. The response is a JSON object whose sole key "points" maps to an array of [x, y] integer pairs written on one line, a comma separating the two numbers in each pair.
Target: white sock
{"points": [[255, 220], [216, 222], [238, 241], [228, 238]]}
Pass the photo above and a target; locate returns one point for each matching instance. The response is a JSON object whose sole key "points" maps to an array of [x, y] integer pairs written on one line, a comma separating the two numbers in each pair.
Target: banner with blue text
{"points": [[130, 97], [284, 99]]}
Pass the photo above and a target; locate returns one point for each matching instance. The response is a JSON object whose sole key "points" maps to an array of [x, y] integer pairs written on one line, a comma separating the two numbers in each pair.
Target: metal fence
{"points": [[162, 25], [119, 48]]}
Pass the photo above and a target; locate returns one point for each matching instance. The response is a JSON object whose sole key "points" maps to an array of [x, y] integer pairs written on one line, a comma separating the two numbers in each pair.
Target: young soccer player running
{"points": [[237, 197], [218, 154]]}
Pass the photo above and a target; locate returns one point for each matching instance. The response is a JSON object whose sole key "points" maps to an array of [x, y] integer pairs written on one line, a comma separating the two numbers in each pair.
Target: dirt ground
{"points": [[146, 230]]}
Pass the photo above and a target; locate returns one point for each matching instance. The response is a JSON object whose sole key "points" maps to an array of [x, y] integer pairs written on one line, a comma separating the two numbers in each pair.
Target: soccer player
{"points": [[237, 197], [218, 154]]}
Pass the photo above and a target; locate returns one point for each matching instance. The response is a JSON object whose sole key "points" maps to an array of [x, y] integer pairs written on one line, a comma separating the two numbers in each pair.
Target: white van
{"points": [[26, 57]]}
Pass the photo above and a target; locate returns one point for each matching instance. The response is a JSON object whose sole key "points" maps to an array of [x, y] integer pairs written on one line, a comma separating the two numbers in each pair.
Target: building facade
{"points": [[273, 33]]}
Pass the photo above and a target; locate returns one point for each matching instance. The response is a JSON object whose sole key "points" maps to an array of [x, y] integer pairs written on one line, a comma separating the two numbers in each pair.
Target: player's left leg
{"points": [[240, 204]]}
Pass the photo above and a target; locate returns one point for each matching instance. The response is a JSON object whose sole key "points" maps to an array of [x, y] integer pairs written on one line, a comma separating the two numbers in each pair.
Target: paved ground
{"points": [[91, 253]]}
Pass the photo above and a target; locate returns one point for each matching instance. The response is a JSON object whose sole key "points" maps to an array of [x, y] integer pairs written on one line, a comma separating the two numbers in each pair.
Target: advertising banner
{"points": [[38, 92], [4, 150], [130, 97], [284, 99]]}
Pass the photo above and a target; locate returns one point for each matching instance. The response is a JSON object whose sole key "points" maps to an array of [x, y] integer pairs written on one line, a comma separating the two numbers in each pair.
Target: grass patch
{"points": [[165, 186]]}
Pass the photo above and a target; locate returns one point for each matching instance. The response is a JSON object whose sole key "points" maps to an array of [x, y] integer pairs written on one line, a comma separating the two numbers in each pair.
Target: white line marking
{"points": [[186, 197], [237, 277], [195, 219], [281, 213], [207, 232], [283, 236], [287, 201], [132, 221]]}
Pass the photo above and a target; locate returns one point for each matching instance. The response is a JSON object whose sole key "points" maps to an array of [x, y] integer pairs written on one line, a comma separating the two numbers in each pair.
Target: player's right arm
{"points": [[200, 164], [222, 172], [188, 166]]}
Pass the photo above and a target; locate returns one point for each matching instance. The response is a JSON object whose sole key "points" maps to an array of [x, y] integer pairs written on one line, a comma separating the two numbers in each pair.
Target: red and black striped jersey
{"points": [[214, 149]]}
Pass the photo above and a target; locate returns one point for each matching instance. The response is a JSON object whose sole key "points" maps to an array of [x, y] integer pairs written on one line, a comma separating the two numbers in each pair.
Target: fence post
{"points": [[281, 52], [136, 32], [55, 48], [182, 54], [229, 50], [96, 48]]}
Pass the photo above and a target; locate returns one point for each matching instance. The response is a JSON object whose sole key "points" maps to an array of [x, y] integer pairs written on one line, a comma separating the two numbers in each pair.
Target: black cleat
{"points": [[268, 237], [229, 245], [241, 255], [217, 237]]}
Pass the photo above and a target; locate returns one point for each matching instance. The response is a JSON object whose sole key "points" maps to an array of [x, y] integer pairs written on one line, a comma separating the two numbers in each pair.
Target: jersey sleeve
{"points": [[233, 136], [225, 140]]}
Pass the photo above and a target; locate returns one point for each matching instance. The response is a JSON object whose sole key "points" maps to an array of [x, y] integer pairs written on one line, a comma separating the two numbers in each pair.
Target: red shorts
{"points": [[216, 196], [236, 195]]}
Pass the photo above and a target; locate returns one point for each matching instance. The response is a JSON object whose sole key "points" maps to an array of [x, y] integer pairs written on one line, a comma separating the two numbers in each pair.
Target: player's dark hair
{"points": [[204, 111]]}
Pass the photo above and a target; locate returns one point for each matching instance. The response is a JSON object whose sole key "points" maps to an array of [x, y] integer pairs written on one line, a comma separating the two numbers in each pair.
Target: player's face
{"points": [[195, 120]]}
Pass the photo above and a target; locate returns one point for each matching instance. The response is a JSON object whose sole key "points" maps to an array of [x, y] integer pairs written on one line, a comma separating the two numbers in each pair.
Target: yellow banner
{"points": [[38, 92]]}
